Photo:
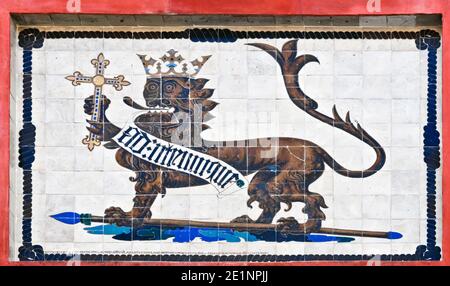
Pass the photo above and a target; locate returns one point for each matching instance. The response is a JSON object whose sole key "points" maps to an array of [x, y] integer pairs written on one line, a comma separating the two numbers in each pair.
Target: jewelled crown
{"points": [[172, 64]]}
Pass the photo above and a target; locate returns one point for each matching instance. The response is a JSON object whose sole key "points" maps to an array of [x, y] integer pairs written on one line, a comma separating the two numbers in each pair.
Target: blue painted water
{"points": [[187, 234]]}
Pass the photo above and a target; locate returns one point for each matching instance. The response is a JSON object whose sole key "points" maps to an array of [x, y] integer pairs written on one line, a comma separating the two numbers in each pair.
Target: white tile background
{"points": [[381, 82]]}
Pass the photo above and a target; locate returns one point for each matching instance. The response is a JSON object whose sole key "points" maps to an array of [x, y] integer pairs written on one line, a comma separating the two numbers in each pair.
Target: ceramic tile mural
{"points": [[221, 144]]}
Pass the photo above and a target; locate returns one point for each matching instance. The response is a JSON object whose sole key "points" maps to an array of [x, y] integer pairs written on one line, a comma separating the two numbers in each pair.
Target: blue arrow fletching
{"points": [[67, 217]]}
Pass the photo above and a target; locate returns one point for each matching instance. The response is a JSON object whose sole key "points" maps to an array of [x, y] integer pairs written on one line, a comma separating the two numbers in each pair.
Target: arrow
{"points": [[87, 219]]}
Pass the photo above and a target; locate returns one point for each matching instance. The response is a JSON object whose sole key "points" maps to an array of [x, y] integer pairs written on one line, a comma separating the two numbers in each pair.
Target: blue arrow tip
{"points": [[394, 235], [67, 217]]}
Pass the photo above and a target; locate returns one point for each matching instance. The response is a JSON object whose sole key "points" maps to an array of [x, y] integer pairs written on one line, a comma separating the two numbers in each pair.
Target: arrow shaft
{"points": [[245, 226]]}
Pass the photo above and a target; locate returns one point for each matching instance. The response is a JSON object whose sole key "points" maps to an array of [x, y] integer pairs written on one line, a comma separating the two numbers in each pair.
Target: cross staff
{"points": [[98, 80]]}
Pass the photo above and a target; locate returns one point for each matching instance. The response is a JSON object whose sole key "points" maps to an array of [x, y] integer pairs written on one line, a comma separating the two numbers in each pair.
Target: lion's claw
{"points": [[242, 219], [115, 212], [118, 216], [288, 225]]}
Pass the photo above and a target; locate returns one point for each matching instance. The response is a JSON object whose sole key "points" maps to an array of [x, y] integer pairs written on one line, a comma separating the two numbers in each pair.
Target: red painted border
{"points": [[236, 7]]}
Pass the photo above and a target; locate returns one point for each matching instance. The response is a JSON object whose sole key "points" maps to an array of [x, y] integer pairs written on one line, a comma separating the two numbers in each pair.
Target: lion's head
{"points": [[176, 101], [178, 105], [178, 94]]}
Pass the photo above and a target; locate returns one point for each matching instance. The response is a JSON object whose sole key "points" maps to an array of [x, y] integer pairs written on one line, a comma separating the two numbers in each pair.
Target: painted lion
{"points": [[283, 178]]}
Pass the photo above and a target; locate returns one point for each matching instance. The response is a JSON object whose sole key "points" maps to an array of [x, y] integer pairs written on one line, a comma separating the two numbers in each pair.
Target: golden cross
{"points": [[98, 80]]}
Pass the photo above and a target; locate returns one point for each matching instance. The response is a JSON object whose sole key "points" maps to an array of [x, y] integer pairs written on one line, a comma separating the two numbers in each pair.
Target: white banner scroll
{"points": [[221, 175]]}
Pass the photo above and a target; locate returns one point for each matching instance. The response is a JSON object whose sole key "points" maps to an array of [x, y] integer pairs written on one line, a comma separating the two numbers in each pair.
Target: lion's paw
{"points": [[288, 225], [118, 216], [242, 219]]}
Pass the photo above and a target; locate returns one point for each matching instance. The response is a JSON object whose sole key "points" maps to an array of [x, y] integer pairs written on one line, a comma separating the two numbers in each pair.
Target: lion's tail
{"points": [[358, 132], [290, 65], [377, 165]]}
